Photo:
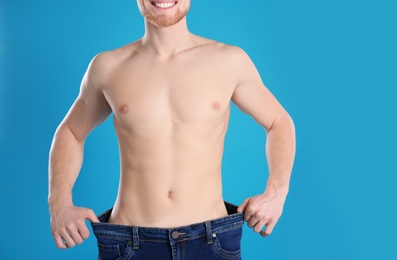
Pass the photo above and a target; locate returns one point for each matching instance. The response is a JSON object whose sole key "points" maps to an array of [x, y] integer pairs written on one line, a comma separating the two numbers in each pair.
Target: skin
{"points": [[170, 94]]}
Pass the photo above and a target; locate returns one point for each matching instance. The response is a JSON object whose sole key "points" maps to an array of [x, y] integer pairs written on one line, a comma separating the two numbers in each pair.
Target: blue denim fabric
{"points": [[214, 239]]}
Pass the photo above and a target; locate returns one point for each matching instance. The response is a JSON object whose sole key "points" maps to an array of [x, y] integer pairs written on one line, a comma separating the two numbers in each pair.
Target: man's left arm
{"points": [[253, 98]]}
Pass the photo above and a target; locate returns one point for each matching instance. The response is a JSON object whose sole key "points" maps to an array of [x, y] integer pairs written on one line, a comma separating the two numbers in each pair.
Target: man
{"points": [[170, 93]]}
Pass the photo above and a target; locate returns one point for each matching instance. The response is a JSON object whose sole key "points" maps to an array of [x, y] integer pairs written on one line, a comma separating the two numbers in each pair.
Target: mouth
{"points": [[162, 5]]}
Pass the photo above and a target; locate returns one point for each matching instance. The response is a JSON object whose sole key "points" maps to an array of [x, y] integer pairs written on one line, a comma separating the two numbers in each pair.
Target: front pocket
{"points": [[227, 244], [112, 249], [108, 252]]}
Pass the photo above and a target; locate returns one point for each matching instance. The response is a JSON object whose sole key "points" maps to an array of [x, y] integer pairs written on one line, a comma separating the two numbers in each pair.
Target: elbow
{"points": [[64, 131], [283, 122], [290, 123]]}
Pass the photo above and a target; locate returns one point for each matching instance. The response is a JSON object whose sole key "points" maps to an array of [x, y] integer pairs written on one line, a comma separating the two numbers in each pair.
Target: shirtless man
{"points": [[170, 94]]}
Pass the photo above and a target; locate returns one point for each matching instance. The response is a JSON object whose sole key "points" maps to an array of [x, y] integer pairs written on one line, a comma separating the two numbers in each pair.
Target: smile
{"points": [[164, 5]]}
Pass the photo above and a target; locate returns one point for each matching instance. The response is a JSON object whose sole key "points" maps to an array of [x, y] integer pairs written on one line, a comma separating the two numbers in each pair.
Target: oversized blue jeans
{"points": [[214, 239]]}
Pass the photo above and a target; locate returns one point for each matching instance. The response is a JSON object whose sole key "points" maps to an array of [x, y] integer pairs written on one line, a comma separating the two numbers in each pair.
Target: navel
{"points": [[170, 195], [215, 106], [123, 109]]}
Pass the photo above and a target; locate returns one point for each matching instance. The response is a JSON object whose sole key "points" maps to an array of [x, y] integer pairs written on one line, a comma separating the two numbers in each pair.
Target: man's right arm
{"points": [[66, 157]]}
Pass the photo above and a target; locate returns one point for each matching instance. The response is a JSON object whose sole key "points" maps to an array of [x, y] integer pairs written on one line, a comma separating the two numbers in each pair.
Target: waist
{"points": [[232, 221], [165, 200], [151, 210]]}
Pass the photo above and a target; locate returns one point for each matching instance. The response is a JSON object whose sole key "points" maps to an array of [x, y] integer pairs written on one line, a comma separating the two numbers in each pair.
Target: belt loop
{"points": [[208, 232], [135, 238]]}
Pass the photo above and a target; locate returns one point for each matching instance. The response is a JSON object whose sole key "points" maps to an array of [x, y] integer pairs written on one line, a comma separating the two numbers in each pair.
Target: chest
{"points": [[186, 90]]}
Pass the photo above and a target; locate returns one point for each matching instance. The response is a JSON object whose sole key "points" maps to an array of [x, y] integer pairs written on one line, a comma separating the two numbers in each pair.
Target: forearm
{"points": [[280, 153], [66, 157]]}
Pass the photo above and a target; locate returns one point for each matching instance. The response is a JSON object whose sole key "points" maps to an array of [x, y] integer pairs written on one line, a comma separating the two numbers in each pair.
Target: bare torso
{"points": [[171, 116], [170, 95]]}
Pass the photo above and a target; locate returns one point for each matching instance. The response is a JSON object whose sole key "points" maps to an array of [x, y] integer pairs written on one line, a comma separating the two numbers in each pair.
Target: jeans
{"points": [[214, 239]]}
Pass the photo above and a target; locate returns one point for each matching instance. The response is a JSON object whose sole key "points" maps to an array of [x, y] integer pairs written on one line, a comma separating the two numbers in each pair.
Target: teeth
{"points": [[164, 5]]}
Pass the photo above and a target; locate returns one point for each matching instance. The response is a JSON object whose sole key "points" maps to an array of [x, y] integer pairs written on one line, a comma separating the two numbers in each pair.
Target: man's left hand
{"points": [[263, 210]]}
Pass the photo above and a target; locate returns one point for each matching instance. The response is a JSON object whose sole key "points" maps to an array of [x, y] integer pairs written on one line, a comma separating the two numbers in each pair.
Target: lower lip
{"points": [[163, 8]]}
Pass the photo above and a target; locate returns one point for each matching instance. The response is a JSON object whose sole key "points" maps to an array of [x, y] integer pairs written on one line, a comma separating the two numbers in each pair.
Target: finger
{"points": [[268, 230], [259, 226], [73, 232], [59, 242], [75, 235], [243, 206], [84, 232], [252, 221], [249, 212], [68, 239], [90, 215]]}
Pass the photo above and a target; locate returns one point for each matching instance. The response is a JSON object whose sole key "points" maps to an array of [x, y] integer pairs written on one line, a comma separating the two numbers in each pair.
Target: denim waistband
{"points": [[207, 228]]}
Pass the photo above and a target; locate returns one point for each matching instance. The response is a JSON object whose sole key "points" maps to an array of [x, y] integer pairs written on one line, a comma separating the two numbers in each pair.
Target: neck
{"points": [[166, 41]]}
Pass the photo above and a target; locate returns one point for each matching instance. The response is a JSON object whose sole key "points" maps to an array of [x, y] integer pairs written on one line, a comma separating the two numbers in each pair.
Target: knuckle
{"points": [[85, 235], [69, 227], [79, 224], [271, 221], [88, 211], [250, 209], [82, 227], [63, 232], [257, 214]]}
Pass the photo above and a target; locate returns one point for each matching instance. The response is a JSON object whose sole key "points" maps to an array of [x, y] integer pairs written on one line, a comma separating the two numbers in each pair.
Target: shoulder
{"points": [[234, 54], [230, 54], [107, 59], [103, 64], [238, 60], [235, 61]]}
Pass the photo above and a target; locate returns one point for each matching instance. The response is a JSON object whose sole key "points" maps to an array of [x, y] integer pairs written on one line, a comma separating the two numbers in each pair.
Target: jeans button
{"points": [[175, 234]]}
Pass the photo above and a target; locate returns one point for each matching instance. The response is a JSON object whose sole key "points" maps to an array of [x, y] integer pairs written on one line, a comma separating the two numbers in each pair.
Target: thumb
{"points": [[90, 215], [243, 206]]}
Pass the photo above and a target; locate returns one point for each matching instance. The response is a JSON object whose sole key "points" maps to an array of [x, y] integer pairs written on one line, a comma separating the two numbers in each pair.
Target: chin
{"points": [[164, 14]]}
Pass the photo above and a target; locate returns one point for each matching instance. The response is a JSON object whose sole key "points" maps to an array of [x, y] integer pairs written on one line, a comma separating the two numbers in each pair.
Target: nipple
{"points": [[123, 109], [215, 106]]}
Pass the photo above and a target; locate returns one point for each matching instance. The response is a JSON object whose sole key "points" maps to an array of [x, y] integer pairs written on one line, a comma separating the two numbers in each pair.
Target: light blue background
{"points": [[332, 64]]}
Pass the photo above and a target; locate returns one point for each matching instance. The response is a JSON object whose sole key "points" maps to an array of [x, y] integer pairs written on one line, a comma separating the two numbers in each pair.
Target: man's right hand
{"points": [[68, 225]]}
